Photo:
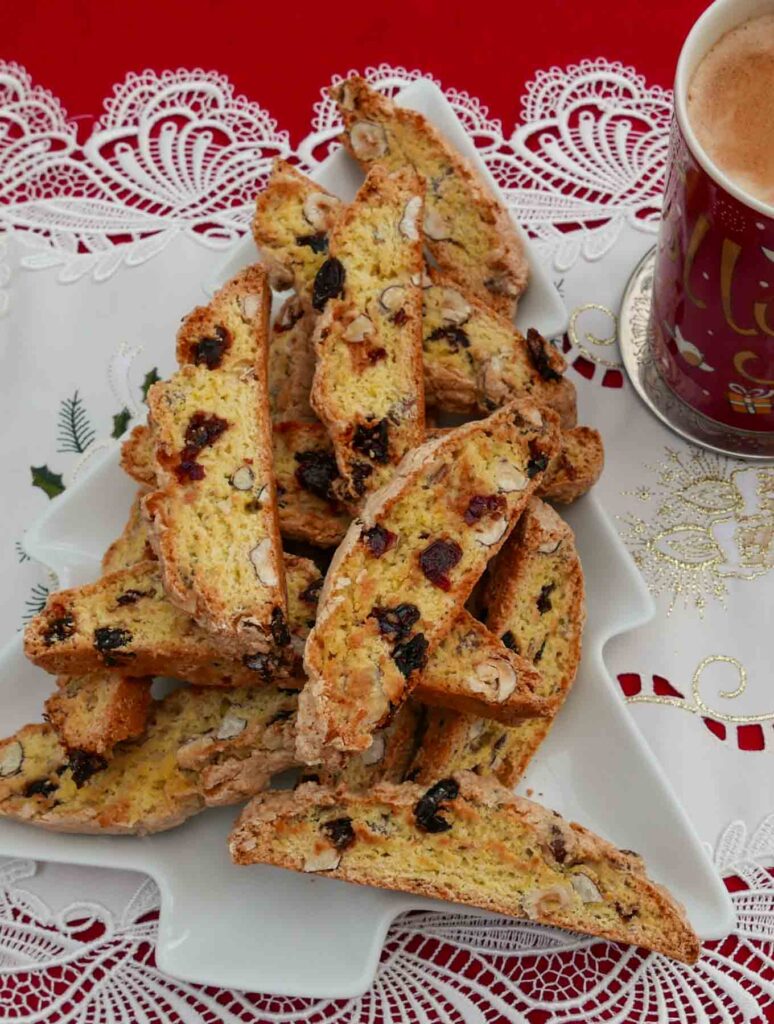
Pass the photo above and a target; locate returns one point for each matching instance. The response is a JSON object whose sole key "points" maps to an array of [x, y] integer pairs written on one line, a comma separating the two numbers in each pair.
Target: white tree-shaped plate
{"points": [[279, 932]]}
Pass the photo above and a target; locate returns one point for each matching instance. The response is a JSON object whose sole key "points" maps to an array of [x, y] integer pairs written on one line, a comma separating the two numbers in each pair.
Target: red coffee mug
{"points": [[713, 293]]}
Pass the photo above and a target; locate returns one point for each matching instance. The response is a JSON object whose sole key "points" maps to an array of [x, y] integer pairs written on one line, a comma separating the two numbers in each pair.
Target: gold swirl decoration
{"points": [[586, 340], [698, 705], [708, 520]]}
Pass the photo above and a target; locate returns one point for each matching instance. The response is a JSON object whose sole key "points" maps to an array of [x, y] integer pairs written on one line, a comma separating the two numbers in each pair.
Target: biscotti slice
{"points": [[94, 712], [138, 455], [535, 603], [420, 543], [214, 522], [291, 361], [230, 333], [467, 229], [293, 217], [471, 841], [201, 747], [475, 359], [134, 543], [368, 384], [455, 741], [576, 468], [125, 620], [306, 472], [472, 670]]}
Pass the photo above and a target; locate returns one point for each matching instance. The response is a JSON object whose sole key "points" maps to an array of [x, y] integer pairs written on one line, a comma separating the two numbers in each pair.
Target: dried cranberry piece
{"points": [[537, 346], [279, 628], [625, 913], [83, 765], [481, 505], [538, 459], [539, 654], [107, 641], [557, 845], [189, 469], [41, 787], [203, 430], [316, 472], [411, 654], [375, 355], [328, 282], [317, 242], [290, 317], [399, 317], [454, 336], [510, 640], [372, 441], [427, 807], [360, 472], [265, 665], [210, 350], [544, 598], [312, 593], [339, 832], [436, 560], [378, 540], [395, 622], [59, 629], [133, 596]]}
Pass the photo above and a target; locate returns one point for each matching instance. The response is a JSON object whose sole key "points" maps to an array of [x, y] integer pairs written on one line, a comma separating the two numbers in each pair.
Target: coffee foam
{"points": [[731, 106]]}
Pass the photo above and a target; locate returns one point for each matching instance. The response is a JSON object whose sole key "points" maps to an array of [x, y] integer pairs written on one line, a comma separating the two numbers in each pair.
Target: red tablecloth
{"points": [[279, 53]]}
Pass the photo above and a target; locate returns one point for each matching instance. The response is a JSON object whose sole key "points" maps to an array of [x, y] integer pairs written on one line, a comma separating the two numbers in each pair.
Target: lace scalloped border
{"points": [[180, 152], [90, 965]]}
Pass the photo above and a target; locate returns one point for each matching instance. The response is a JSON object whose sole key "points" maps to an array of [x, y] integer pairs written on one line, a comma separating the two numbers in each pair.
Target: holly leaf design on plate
{"points": [[121, 422], [47, 481], [151, 377]]}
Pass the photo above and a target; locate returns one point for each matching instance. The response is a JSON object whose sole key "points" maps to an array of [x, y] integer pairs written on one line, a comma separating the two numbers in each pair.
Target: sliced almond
{"points": [[422, 280], [495, 678], [539, 902], [409, 226], [231, 726], [509, 478], [455, 308], [375, 752], [11, 759], [490, 531], [263, 563], [436, 226], [359, 329], [326, 860], [585, 888], [243, 479], [320, 210], [392, 298], [368, 140], [250, 306]]}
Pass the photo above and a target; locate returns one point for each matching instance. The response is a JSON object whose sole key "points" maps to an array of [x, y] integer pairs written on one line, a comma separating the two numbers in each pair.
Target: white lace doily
{"points": [[166, 176]]}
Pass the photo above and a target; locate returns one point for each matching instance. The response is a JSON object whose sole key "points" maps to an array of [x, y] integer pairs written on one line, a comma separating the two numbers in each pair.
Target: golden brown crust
{"points": [[353, 665], [576, 468], [468, 230], [471, 841], [133, 545], [95, 712], [291, 361], [137, 455]]}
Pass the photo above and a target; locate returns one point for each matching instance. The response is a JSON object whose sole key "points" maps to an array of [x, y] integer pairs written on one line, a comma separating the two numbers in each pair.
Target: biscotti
{"points": [[472, 670], [214, 522], [201, 747], [368, 385], [306, 472], [125, 621], [467, 229], [138, 456], [420, 543], [455, 741], [293, 217], [94, 712], [576, 467], [133, 545], [471, 841], [291, 361], [475, 360]]}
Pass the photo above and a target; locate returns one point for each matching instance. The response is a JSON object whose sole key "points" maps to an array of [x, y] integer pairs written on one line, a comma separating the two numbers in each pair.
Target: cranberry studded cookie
{"points": [[475, 359], [471, 841], [93, 713], [368, 384], [200, 747], [213, 520], [125, 621], [293, 219], [467, 229], [402, 574]]}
